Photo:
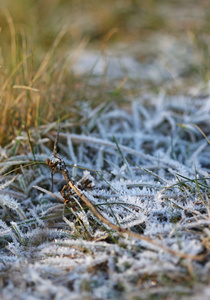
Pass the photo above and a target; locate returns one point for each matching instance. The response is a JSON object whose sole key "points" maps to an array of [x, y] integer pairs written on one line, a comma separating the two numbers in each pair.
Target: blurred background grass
{"points": [[36, 38]]}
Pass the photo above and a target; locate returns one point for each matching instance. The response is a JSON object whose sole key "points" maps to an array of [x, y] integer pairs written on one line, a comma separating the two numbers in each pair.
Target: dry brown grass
{"points": [[37, 85]]}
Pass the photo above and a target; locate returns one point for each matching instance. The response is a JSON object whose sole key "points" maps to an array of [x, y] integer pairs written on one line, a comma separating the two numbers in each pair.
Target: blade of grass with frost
{"points": [[149, 172], [83, 217], [97, 172], [110, 232], [86, 207], [183, 186], [123, 158], [13, 150], [18, 232], [124, 207], [197, 186], [7, 232], [72, 226], [112, 213], [22, 182], [122, 204], [34, 221], [3, 170], [193, 180], [30, 144], [88, 169], [6, 200], [19, 163], [77, 219], [7, 183], [186, 209], [48, 192], [181, 183], [118, 203]]}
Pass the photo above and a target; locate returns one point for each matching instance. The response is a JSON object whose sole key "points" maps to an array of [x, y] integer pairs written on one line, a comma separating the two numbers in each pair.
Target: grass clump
{"points": [[37, 82]]}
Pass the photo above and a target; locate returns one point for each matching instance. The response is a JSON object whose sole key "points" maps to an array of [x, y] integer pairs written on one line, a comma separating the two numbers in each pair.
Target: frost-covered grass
{"points": [[129, 82], [148, 172]]}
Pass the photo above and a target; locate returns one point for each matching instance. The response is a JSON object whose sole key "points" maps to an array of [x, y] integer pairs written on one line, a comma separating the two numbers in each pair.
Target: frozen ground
{"points": [[137, 145], [152, 162], [156, 183]]}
